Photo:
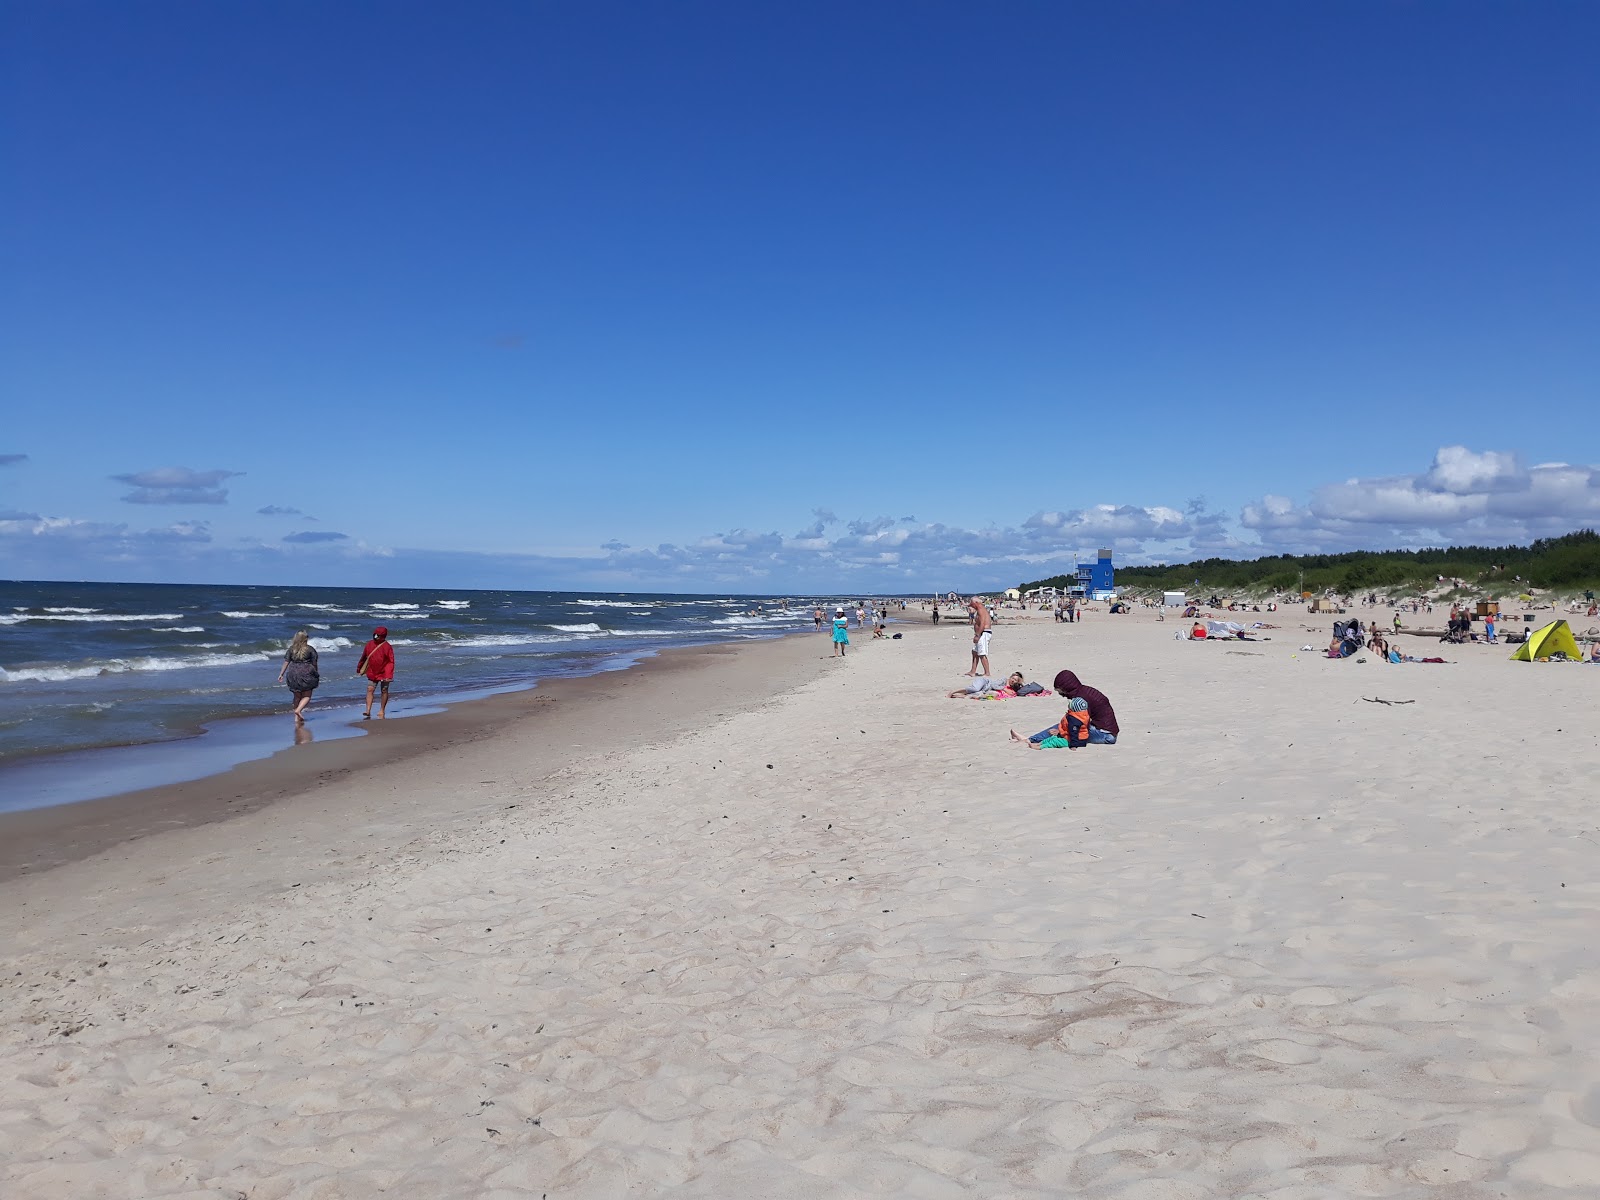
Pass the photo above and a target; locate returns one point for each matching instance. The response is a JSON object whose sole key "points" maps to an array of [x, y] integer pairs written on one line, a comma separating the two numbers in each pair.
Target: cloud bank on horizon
{"points": [[1463, 497]]}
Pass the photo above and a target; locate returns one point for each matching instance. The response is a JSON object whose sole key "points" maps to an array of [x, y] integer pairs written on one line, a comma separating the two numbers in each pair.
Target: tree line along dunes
{"points": [[1567, 563]]}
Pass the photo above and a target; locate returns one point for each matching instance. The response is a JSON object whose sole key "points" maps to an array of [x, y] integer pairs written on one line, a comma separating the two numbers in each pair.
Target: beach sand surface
{"points": [[830, 934]]}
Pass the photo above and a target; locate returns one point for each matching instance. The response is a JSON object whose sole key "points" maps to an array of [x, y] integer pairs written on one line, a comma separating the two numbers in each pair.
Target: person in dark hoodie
{"points": [[1102, 717]]}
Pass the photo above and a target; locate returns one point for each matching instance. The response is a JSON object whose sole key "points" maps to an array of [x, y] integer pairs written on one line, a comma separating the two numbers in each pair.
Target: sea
{"points": [[107, 687]]}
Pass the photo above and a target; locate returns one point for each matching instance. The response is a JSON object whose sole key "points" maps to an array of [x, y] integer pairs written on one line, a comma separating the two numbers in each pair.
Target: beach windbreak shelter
{"points": [[1554, 638]]}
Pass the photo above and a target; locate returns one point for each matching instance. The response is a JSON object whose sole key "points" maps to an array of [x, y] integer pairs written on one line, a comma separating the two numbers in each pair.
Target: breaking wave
{"points": [[56, 673], [17, 618]]}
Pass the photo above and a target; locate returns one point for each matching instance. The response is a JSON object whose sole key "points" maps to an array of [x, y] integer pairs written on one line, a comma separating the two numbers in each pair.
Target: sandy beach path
{"points": [[1280, 942]]}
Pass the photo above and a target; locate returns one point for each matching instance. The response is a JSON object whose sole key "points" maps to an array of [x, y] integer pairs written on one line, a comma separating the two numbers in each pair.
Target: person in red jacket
{"points": [[377, 664]]}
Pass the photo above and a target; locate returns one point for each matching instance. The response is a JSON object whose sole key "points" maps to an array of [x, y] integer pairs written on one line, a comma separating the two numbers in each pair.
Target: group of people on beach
{"points": [[877, 613], [301, 672], [1089, 720]]}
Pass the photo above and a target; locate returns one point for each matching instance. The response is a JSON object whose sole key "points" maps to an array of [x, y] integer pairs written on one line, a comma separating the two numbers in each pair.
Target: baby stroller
{"points": [[1348, 635]]}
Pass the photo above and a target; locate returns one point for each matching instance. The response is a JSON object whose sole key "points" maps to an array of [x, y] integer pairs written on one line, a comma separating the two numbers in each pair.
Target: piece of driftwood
{"points": [[1375, 700]]}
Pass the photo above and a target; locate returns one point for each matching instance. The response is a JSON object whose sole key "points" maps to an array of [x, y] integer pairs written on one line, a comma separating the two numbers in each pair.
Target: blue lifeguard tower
{"points": [[1096, 579]]}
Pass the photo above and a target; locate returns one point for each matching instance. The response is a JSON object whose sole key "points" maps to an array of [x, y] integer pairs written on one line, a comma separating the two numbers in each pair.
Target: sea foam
{"points": [[18, 618], [55, 673]]}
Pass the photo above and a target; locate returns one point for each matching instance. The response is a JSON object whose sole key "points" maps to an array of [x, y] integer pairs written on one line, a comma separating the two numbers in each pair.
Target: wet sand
{"points": [[664, 693]]}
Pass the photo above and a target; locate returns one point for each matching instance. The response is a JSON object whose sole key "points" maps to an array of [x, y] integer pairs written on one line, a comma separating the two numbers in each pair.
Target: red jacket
{"points": [[377, 660]]}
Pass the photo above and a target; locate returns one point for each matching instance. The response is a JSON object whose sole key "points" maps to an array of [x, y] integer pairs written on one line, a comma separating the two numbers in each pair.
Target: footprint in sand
{"points": [[1281, 1050]]}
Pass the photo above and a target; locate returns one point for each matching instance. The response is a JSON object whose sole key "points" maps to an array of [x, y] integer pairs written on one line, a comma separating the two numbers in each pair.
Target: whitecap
{"points": [[590, 627], [19, 618], [395, 607], [117, 666], [328, 645], [452, 603], [489, 639], [607, 603]]}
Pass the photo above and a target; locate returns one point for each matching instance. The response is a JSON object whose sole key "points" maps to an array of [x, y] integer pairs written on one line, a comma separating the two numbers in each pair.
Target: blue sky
{"points": [[802, 297]]}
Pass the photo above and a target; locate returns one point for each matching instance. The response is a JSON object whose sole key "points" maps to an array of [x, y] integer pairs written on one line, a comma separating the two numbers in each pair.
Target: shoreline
{"points": [[236, 739], [36, 840]]}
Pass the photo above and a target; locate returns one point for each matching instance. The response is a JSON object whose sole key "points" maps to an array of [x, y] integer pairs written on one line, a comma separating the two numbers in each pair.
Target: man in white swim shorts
{"points": [[982, 627]]}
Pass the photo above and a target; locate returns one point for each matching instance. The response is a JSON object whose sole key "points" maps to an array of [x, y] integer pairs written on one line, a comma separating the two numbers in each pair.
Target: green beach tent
{"points": [[1542, 643]]}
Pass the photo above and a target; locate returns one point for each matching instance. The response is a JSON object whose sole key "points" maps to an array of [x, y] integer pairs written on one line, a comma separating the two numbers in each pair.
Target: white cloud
{"points": [[1457, 469], [824, 518], [313, 536], [1555, 490], [1107, 522], [182, 531], [1275, 512], [1398, 501], [1486, 498], [176, 485]]}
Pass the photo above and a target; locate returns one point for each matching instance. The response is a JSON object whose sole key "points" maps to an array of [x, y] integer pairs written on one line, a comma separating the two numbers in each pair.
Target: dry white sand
{"points": [[1279, 943]]}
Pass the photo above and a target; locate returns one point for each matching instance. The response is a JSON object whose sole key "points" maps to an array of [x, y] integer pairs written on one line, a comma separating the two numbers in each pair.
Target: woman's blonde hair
{"points": [[300, 646]]}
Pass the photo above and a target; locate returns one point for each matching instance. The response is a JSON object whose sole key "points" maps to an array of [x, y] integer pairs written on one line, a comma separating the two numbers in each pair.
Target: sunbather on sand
{"points": [[982, 687]]}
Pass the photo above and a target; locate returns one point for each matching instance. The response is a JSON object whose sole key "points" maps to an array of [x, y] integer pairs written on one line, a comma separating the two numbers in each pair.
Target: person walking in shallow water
{"points": [[377, 664], [300, 672]]}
